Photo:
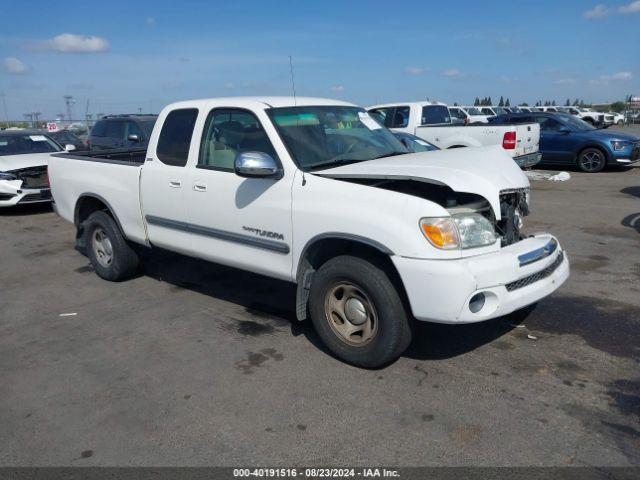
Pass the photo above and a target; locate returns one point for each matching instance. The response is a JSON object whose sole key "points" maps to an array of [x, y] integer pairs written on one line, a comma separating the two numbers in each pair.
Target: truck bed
{"points": [[124, 155], [112, 177]]}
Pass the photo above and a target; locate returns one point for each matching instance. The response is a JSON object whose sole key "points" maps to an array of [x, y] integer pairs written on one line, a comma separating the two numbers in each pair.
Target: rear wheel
{"points": [[110, 254], [358, 313], [592, 160]]}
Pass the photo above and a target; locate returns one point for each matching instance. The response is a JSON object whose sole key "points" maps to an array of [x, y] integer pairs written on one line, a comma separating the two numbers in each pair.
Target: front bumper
{"points": [[629, 155], [528, 160], [510, 279], [12, 194]]}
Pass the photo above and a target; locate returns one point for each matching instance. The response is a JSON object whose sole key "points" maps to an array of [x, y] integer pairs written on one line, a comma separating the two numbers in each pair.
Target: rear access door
{"points": [[165, 180]]}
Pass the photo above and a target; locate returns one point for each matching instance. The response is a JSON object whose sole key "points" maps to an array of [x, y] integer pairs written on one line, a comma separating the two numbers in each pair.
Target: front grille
{"points": [[33, 177], [6, 196], [37, 197], [635, 152], [523, 282]]}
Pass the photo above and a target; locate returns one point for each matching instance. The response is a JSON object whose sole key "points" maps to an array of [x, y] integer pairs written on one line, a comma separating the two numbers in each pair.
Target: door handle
{"points": [[175, 183], [200, 187]]}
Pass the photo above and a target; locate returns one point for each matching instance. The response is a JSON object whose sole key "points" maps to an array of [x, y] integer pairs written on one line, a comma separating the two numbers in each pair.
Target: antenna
{"points": [[293, 83]]}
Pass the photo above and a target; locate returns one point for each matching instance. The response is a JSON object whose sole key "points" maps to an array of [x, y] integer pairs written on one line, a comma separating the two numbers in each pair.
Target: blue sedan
{"points": [[567, 140]]}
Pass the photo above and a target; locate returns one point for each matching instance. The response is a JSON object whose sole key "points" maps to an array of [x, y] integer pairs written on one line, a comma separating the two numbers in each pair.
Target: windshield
{"points": [[575, 123], [499, 110], [21, 144], [474, 111], [322, 137]]}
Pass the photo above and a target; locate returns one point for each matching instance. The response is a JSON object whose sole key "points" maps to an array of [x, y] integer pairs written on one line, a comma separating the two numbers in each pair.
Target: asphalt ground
{"points": [[193, 363]]}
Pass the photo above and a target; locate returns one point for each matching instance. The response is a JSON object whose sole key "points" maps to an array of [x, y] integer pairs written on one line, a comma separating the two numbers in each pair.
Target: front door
{"points": [[242, 222]]}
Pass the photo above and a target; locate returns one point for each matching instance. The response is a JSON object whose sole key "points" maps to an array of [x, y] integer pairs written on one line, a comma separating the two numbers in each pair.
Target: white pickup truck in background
{"points": [[318, 193], [431, 121]]}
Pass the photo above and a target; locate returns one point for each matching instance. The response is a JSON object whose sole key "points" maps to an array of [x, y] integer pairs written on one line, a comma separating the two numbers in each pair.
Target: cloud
{"points": [[229, 86], [15, 66], [452, 73], [415, 71], [565, 81], [633, 7], [616, 77], [150, 21], [70, 43], [337, 88], [599, 11]]}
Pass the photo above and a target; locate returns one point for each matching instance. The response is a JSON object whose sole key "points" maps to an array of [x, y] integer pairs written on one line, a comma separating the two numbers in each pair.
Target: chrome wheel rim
{"points": [[351, 314], [591, 160], [102, 248]]}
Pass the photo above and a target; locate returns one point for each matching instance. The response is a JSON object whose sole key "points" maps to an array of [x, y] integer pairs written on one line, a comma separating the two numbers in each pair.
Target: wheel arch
{"points": [[87, 204], [597, 146], [323, 247]]}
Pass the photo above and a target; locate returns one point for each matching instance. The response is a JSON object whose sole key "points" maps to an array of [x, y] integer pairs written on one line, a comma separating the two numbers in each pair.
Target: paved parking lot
{"points": [[197, 364]]}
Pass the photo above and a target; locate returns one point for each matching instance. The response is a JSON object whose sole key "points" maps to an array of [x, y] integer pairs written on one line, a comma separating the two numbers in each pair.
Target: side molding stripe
{"points": [[272, 245]]}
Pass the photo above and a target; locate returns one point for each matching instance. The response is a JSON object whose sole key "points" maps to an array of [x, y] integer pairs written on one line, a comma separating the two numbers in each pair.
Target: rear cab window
{"points": [[175, 137]]}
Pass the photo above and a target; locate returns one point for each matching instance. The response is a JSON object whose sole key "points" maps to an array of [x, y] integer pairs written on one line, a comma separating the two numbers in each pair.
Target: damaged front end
{"points": [[507, 224], [514, 205]]}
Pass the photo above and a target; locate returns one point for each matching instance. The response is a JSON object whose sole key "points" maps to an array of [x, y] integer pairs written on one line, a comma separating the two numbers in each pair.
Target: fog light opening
{"points": [[477, 302]]}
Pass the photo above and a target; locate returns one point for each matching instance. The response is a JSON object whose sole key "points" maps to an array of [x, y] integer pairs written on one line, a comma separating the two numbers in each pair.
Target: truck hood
{"points": [[16, 162], [485, 171]]}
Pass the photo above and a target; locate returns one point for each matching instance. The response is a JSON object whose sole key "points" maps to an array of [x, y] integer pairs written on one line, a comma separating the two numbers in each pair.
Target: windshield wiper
{"points": [[335, 163], [392, 154]]}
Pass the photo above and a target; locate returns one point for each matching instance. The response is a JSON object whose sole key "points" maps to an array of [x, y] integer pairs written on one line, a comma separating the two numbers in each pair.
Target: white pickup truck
{"points": [[431, 121], [318, 193]]}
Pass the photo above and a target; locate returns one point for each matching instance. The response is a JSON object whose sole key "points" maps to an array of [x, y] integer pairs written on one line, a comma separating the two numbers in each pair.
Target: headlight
{"points": [[467, 230], [474, 230], [619, 145], [7, 176]]}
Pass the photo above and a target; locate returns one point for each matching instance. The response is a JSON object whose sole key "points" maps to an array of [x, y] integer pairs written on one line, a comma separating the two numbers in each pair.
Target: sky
{"points": [[125, 57]]}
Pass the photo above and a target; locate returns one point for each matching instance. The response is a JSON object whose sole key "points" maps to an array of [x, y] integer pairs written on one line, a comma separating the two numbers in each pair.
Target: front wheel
{"points": [[591, 160], [358, 313], [111, 256]]}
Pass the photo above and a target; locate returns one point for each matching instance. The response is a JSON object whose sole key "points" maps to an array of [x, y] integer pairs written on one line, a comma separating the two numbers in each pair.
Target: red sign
{"points": [[52, 127]]}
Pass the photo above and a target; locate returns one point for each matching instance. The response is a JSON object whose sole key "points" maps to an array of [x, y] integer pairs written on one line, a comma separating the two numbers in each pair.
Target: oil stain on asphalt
{"points": [[607, 326]]}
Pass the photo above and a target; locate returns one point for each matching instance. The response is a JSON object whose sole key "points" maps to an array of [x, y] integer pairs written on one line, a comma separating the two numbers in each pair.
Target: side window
{"points": [[548, 124], [114, 129], [98, 129], [175, 137], [400, 117], [380, 114], [228, 132], [457, 113], [435, 114]]}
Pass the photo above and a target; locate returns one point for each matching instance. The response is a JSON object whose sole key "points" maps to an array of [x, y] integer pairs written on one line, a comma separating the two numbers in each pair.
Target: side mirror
{"points": [[69, 148], [133, 138], [256, 165]]}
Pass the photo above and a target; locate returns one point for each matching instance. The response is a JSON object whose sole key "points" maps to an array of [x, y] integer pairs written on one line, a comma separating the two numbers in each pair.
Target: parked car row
{"points": [[431, 121], [567, 140]]}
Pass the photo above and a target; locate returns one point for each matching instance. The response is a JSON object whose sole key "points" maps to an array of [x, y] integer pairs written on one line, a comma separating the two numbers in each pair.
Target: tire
{"points": [[620, 123], [589, 121], [347, 286], [591, 160], [110, 254]]}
